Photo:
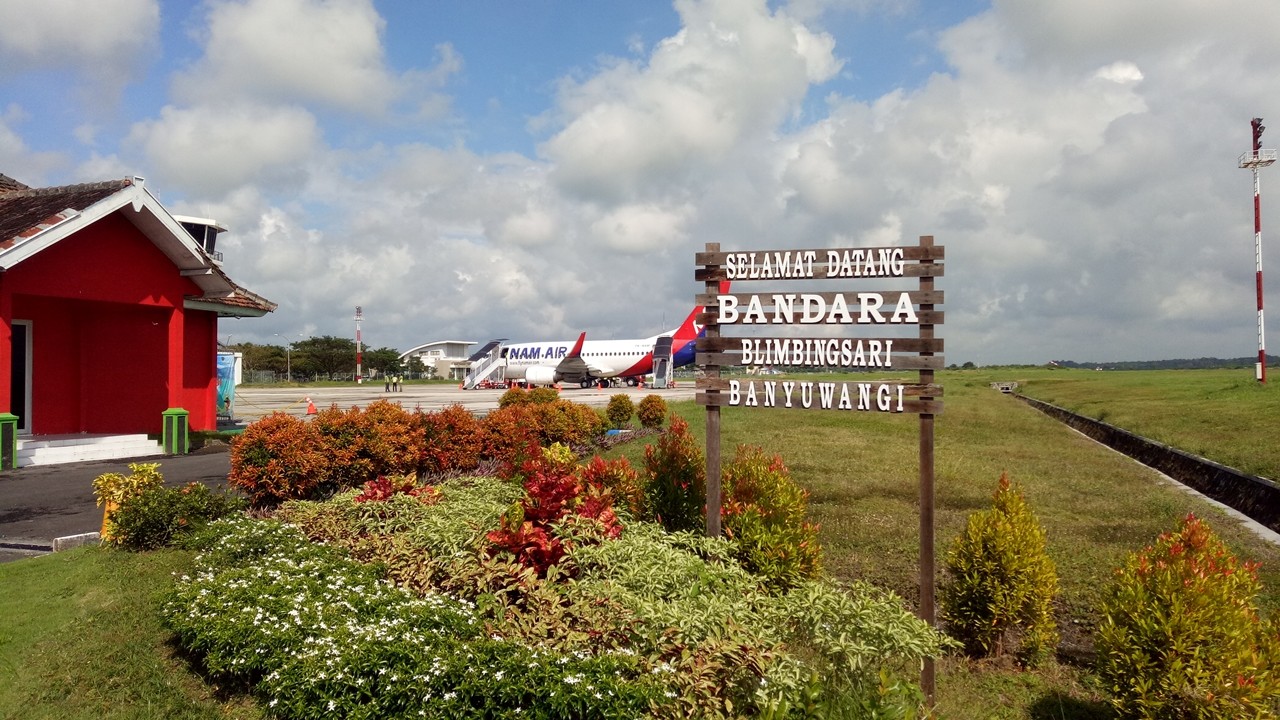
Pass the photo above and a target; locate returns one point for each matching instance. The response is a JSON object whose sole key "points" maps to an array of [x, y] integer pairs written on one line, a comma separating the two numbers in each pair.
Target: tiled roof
{"points": [[239, 298], [7, 183], [26, 211]]}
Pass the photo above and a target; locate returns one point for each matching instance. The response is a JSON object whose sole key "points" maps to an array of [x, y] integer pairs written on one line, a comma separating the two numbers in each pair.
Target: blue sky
{"points": [[468, 170]]}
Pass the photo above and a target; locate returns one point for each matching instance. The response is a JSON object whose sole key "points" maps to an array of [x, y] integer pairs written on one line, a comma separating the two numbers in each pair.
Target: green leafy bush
{"points": [[278, 458], [323, 636], [998, 596], [763, 512], [651, 411], [114, 489], [1181, 636], [160, 516], [619, 410], [675, 491]]}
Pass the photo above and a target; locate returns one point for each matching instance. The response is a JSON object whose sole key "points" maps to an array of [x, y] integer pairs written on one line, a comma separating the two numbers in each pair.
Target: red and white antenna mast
{"points": [[359, 317], [1255, 160]]}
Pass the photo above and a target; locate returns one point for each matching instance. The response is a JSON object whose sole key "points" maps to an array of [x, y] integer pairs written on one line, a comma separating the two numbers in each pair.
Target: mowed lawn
{"points": [[1224, 415], [1096, 505], [75, 649]]}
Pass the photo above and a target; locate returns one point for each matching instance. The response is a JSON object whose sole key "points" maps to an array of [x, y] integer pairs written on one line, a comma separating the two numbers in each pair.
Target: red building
{"points": [[109, 310]]}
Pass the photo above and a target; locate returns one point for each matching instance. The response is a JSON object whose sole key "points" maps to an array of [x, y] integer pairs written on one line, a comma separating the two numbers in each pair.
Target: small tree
{"points": [[675, 494], [999, 594], [620, 410], [1181, 636]]}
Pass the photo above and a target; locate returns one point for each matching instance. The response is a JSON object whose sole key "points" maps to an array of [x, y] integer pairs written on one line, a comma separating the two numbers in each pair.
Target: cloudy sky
{"points": [[477, 169]]}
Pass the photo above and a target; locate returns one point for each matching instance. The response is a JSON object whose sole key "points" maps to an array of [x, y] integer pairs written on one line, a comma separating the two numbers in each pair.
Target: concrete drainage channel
{"points": [[1255, 497]]}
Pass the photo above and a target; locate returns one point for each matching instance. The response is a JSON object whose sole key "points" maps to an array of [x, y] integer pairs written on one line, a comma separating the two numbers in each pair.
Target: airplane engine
{"points": [[540, 375]]}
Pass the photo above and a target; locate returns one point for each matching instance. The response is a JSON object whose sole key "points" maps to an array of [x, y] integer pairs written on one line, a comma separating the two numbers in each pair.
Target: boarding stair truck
{"points": [[663, 367], [484, 364]]}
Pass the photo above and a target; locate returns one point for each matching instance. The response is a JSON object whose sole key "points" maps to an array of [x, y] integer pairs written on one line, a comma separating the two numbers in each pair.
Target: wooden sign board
{"points": [[845, 311]]}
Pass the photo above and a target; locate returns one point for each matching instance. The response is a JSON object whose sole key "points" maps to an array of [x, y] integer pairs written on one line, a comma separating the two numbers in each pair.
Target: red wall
{"points": [[104, 304]]}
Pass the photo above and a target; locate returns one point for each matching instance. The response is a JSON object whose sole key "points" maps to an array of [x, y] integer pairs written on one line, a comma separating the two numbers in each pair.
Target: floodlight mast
{"points": [[359, 317], [1255, 160]]}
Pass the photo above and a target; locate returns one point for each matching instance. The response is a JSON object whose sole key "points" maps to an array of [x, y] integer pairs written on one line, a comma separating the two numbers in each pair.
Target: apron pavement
{"points": [[44, 502]]}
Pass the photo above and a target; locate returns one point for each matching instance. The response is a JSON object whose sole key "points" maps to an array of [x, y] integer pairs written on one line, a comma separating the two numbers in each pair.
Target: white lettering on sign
{"points": [[770, 265], [828, 396], [868, 262], [820, 352], [814, 309]]}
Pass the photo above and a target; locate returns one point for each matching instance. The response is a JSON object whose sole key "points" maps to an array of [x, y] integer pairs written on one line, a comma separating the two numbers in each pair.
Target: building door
{"points": [[20, 374]]}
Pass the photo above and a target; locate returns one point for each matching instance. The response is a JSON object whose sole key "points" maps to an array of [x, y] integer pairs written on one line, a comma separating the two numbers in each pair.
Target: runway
{"points": [[252, 403]]}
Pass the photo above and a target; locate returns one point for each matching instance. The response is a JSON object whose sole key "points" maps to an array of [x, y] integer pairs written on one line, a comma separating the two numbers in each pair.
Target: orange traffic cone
{"points": [[311, 407]]}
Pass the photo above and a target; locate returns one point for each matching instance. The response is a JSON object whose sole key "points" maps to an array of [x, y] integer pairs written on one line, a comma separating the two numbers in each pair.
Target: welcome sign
{"points": [[846, 315]]}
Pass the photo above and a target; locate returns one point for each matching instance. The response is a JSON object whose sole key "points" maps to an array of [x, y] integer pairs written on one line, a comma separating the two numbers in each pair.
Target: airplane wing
{"points": [[573, 368]]}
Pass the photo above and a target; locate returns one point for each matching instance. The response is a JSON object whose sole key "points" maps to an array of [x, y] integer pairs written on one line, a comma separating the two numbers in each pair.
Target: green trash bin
{"points": [[8, 441], [176, 438]]}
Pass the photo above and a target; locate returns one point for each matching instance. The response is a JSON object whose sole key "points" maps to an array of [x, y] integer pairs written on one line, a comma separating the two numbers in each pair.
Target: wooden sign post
{"points": [[847, 311]]}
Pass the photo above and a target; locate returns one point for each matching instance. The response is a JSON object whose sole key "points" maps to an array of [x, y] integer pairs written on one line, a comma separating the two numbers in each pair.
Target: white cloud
{"points": [[210, 151], [327, 52], [644, 228], [732, 73], [106, 42]]}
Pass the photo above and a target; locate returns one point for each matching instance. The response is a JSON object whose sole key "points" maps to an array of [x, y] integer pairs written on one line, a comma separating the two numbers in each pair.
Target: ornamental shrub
{"points": [[514, 396], [384, 487], [543, 395], [278, 458], [360, 445], [569, 423], [114, 489], [552, 492], [318, 635], [763, 512], [619, 478], [1181, 637], [160, 516], [509, 436], [651, 411], [452, 440], [998, 597], [675, 489], [620, 410]]}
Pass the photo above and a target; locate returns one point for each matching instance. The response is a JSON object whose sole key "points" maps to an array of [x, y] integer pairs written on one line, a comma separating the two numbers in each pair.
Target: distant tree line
{"points": [[1207, 363], [324, 358]]}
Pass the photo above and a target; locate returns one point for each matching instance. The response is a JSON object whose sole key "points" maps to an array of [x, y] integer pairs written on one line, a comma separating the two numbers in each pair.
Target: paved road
{"points": [[40, 503], [253, 403], [43, 502]]}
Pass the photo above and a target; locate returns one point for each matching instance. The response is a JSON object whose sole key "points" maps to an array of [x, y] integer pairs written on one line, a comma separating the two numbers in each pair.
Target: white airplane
{"points": [[586, 362]]}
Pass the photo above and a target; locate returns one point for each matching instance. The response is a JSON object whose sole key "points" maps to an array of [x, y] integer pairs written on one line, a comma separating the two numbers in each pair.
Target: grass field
{"points": [[78, 636], [1223, 415]]}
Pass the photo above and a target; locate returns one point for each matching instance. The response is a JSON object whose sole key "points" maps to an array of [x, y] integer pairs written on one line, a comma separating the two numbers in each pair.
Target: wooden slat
{"points": [[908, 389], [897, 362], [911, 406], [930, 317], [717, 274], [909, 252], [852, 299], [903, 344]]}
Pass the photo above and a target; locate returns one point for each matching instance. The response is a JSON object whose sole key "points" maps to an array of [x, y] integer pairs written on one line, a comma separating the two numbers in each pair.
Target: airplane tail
{"points": [[690, 329]]}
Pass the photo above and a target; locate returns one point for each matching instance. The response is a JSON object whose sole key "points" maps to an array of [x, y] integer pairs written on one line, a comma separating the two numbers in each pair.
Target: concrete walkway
{"points": [[41, 503]]}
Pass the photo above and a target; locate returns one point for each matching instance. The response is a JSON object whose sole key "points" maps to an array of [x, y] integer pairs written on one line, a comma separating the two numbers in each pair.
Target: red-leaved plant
{"points": [[382, 488], [553, 491]]}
